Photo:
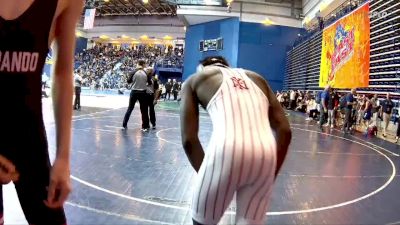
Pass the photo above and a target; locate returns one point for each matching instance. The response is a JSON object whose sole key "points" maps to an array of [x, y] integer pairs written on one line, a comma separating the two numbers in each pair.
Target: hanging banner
{"points": [[89, 19], [346, 51]]}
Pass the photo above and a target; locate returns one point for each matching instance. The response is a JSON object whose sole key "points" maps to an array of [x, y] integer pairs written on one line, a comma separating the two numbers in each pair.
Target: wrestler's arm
{"points": [[64, 37]]}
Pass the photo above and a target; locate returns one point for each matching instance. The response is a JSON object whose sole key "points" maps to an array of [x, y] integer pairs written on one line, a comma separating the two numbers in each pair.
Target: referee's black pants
{"points": [[77, 103], [140, 96], [152, 114]]}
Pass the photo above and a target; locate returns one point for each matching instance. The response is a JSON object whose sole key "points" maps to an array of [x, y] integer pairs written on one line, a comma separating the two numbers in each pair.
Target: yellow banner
{"points": [[346, 51]]}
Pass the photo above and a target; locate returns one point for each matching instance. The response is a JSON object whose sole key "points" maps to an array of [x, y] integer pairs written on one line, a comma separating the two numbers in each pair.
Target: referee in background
{"points": [[78, 86], [139, 80]]}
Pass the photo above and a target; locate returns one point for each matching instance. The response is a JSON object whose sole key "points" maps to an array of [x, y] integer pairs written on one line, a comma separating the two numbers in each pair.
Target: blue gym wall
{"points": [[263, 49], [252, 46], [81, 44], [228, 29]]}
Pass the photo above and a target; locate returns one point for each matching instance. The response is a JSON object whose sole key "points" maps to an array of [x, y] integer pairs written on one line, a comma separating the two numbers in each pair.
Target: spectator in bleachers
{"points": [[280, 98], [104, 66], [311, 109], [301, 103], [292, 100]]}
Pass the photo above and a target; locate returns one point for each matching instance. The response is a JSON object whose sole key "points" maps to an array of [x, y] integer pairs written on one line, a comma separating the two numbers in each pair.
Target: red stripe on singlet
{"points": [[213, 167], [233, 151], [229, 185], [269, 171], [202, 181], [258, 118], [251, 138], [242, 136], [265, 192], [223, 150]]}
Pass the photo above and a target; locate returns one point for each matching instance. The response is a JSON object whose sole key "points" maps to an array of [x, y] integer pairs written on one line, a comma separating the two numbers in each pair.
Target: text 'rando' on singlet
{"points": [[23, 50]]}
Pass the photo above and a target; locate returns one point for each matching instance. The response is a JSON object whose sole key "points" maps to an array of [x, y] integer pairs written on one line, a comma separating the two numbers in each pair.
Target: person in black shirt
{"points": [[153, 94], [168, 88], [350, 101], [175, 89], [332, 107], [387, 107]]}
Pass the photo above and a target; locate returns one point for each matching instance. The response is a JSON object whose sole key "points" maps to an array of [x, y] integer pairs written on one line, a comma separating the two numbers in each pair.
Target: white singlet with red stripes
{"points": [[241, 155]]}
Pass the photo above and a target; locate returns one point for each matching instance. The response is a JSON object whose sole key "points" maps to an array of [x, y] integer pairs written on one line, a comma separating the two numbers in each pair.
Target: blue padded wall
{"points": [[228, 29], [263, 50]]}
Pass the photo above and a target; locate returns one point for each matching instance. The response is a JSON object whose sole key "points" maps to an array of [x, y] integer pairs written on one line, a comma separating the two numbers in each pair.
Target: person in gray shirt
{"points": [[139, 80]]}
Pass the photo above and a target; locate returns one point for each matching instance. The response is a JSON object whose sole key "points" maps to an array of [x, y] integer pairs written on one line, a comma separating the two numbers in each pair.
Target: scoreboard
{"points": [[211, 45]]}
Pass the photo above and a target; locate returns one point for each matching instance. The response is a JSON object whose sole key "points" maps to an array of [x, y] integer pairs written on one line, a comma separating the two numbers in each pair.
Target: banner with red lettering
{"points": [[346, 51]]}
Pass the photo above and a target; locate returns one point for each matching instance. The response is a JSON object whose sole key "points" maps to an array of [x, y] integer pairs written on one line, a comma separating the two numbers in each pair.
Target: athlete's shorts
{"points": [[31, 159], [219, 180]]}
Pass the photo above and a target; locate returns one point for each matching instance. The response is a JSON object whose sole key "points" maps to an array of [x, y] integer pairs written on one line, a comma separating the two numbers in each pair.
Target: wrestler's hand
{"points": [[155, 102], [8, 171], [60, 184]]}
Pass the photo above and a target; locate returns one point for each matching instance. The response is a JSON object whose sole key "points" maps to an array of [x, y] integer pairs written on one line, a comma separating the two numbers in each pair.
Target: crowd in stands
{"points": [[107, 67], [173, 58], [332, 109]]}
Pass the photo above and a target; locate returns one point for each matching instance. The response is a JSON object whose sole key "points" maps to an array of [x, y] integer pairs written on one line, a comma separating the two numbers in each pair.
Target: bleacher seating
{"points": [[107, 66], [303, 65], [303, 61]]}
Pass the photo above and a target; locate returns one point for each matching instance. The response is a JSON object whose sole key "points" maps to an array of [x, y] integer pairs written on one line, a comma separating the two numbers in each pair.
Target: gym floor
{"points": [[131, 177]]}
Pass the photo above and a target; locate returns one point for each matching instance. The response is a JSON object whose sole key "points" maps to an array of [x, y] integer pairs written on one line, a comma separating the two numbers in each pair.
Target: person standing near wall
{"points": [[367, 114], [387, 107], [375, 109], [333, 103], [324, 106], [350, 102]]}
